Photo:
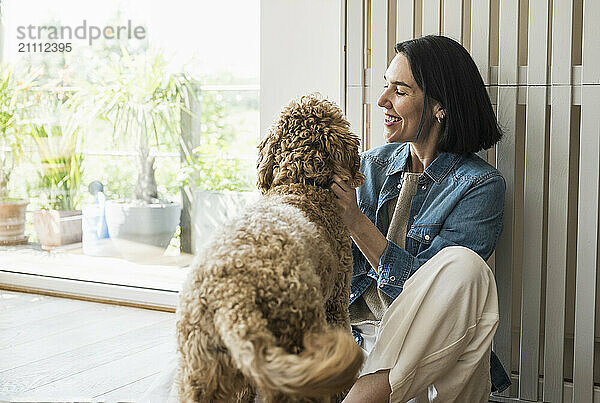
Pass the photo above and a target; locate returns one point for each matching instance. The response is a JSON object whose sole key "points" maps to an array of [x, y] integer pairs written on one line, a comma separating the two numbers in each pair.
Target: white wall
{"points": [[300, 52]]}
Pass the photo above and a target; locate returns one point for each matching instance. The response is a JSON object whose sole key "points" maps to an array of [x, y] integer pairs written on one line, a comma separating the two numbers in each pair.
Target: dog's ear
{"points": [[342, 146], [266, 161], [358, 178]]}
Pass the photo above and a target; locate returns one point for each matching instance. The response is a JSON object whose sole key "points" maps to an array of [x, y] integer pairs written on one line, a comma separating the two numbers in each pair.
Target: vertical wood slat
{"points": [[355, 65], [480, 40], [556, 271], [379, 61], [405, 20], [535, 140], [533, 239], [453, 19], [591, 50], [587, 224], [505, 162], [480, 37], [558, 203], [587, 247], [431, 17]]}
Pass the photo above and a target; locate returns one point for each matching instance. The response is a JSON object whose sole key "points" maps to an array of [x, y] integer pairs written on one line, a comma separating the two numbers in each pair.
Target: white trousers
{"points": [[436, 337]]}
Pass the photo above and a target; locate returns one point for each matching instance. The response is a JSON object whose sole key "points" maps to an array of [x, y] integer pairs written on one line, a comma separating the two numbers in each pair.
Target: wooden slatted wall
{"points": [[541, 62]]}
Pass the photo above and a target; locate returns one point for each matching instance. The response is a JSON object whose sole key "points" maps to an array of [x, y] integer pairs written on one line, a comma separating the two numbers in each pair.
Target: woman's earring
{"points": [[441, 116]]}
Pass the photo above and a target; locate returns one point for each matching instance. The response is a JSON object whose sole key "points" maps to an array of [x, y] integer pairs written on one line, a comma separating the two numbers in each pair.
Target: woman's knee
{"points": [[465, 266]]}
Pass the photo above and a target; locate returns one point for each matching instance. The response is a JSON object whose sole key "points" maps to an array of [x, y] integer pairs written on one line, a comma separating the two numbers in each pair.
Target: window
{"points": [[107, 102]]}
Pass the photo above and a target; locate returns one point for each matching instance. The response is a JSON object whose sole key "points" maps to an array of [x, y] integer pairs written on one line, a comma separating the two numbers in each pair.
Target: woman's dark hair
{"points": [[446, 73]]}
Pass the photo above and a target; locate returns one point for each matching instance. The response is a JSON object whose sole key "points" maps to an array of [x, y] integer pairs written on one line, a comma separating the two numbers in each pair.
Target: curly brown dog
{"points": [[265, 307]]}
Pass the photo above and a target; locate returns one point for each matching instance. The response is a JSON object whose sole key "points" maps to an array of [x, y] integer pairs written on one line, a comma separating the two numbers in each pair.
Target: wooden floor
{"points": [[59, 349]]}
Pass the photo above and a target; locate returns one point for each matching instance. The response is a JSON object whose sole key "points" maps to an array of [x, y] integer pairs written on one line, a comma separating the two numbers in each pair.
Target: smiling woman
{"points": [[423, 304], [440, 73], [403, 102]]}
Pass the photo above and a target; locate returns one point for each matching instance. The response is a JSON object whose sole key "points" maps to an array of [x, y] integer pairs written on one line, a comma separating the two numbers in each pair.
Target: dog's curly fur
{"points": [[265, 307]]}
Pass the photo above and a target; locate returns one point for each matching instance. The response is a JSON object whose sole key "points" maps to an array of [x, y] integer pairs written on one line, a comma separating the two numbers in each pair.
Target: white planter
{"points": [[141, 229], [210, 210]]}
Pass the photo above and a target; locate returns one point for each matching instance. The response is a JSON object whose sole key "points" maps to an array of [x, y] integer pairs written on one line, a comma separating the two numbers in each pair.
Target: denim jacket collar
{"points": [[437, 170]]}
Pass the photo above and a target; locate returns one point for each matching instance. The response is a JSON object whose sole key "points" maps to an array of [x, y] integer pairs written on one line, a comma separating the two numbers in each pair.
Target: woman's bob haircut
{"points": [[446, 73]]}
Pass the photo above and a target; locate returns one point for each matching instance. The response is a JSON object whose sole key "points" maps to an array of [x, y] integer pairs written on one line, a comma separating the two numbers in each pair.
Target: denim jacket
{"points": [[459, 201]]}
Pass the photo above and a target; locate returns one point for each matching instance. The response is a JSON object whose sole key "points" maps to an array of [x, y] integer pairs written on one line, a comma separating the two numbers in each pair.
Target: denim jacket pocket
{"points": [[424, 233], [419, 237]]}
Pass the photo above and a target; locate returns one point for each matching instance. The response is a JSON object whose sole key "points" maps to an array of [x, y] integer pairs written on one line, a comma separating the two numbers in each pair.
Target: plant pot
{"points": [[139, 229], [210, 210], [12, 221], [57, 227]]}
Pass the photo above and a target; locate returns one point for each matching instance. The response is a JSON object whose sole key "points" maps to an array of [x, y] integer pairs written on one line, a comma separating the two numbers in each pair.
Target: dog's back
{"points": [[252, 311]]}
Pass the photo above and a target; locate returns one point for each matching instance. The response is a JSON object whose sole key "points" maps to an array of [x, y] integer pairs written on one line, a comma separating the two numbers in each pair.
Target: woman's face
{"points": [[402, 100]]}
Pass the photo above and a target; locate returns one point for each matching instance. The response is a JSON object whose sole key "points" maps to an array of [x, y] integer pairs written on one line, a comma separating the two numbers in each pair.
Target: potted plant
{"points": [[12, 210], [221, 185], [221, 188], [143, 101], [59, 222]]}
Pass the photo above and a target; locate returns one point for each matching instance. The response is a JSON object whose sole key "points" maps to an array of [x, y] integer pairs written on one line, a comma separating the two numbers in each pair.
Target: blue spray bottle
{"points": [[94, 221]]}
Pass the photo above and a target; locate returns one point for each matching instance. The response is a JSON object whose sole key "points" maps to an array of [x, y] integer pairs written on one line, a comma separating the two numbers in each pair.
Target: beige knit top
{"points": [[371, 305]]}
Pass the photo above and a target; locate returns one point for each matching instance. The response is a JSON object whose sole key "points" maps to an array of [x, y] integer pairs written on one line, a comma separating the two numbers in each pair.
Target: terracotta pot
{"points": [[12, 221], [57, 227]]}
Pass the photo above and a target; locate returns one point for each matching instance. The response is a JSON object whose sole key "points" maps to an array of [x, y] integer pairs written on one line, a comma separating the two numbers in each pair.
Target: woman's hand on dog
{"points": [[366, 235], [346, 198]]}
